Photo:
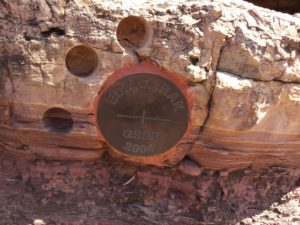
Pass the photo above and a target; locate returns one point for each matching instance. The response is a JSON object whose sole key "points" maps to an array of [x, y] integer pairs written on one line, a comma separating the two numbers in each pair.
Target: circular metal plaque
{"points": [[142, 114]]}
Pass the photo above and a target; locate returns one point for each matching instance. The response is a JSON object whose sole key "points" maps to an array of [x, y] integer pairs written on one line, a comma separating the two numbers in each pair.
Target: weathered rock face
{"points": [[240, 65], [250, 121]]}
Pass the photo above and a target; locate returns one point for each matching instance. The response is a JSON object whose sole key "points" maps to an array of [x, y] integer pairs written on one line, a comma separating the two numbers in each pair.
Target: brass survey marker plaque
{"points": [[142, 114]]}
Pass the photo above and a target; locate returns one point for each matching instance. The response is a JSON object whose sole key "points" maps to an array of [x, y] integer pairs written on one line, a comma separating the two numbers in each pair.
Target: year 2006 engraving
{"points": [[137, 148]]}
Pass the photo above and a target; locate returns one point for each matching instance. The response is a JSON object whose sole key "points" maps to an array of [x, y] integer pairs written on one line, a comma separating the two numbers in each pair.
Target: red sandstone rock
{"points": [[239, 63]]}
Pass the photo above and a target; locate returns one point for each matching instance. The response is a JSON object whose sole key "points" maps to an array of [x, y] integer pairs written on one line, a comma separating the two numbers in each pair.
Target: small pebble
{"points": [[38, 222], [224, 173], [189, 167]]}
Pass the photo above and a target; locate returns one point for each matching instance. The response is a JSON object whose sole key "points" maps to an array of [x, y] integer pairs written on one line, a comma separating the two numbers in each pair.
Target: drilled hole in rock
{"points": [[286, 6], [82, 61], [58, 120], [131, 32]]}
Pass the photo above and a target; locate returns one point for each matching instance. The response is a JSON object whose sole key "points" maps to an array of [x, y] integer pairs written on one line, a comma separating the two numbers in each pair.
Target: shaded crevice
{"points": [[286, 6], [213, 81], [54, 30], [26, 36], [209, 105], [212, 88], [209, 108], [194, 60], [258, 80], [33, 22]]}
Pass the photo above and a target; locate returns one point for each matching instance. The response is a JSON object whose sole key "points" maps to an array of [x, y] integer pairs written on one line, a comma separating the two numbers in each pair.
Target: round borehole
{"points": [[131, 32], [58, 120], [81, 61]]}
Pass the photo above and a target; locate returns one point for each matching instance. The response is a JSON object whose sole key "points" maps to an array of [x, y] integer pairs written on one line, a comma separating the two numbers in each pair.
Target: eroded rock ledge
{"points": [[241, 63]]}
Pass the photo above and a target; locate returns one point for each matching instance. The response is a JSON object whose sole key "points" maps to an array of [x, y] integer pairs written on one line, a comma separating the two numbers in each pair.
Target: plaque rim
{"points": [[177, 80], [160, 151]]}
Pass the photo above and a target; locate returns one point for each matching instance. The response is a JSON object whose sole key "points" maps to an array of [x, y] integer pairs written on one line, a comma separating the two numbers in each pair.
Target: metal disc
{"points": [[142, 115]]}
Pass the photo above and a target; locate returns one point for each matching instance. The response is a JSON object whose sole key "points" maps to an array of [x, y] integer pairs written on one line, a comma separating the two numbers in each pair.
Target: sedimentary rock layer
{"points": [[240, 62]]}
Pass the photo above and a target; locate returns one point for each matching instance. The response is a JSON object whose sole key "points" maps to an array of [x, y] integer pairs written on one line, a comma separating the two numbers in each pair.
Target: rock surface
{"points": [[241, 63], [111, 192]]}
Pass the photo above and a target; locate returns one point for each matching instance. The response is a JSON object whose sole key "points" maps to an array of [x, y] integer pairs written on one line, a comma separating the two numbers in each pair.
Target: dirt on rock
{"points": [[110, 192]]}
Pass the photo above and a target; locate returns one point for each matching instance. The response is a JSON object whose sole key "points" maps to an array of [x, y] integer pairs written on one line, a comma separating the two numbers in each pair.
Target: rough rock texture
{"points": [[111, 192], [242, 63]]}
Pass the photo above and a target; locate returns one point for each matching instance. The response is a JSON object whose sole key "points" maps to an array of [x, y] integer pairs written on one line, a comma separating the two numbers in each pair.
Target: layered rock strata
{"points": [[240, 64]]}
